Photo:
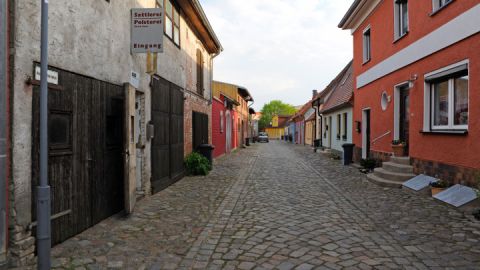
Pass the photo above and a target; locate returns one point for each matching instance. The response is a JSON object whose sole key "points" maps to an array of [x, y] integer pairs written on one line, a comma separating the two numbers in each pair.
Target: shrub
{"points": [[368, 163], [197, 164], [440, 184]]}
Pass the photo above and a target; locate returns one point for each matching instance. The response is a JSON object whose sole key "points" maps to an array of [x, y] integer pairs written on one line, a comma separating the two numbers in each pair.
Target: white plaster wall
{"points": [[92, 38], [337, 143]]}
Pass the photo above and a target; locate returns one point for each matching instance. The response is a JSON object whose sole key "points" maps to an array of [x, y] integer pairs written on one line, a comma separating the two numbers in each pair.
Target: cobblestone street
{"points": [[279, 206]]}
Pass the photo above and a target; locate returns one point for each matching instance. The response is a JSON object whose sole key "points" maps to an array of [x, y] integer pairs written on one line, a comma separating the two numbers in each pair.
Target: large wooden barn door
{"points": [[168, 141], [85, 152]]}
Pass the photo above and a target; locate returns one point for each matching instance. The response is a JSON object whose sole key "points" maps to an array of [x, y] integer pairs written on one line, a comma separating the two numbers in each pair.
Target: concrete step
{"points": [[383, 182], [393, 176], [396, 167], [400, 160]]}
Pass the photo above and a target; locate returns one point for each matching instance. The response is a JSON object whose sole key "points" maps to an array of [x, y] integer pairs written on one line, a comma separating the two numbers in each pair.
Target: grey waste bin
{"points": [[206, 150], [348, 153]]}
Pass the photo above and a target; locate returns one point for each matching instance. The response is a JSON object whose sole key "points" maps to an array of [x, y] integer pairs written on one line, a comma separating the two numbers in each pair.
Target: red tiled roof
{"points": [[342, 92], [302, 111]]}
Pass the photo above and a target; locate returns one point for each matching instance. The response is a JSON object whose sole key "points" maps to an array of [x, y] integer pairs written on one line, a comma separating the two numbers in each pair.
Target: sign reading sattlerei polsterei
{"points": [[147, 30]]}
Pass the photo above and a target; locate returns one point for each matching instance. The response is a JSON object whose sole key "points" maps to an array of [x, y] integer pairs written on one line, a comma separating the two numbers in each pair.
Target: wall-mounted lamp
{"points": [[412, 80]]}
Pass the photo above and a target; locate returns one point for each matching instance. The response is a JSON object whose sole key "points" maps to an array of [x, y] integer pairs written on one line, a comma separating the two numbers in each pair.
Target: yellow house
{"points": [[276, 130]]}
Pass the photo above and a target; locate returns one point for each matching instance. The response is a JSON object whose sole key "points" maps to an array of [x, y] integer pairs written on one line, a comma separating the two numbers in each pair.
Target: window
{"points": [[345, 126], [401, 18], [199, 72], [339, 126], [438, 4], [366, 45], [172, 22], [449, 98], [221, 121]]}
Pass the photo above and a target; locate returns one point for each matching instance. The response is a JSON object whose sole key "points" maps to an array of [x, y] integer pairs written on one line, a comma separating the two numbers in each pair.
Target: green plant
{"points": [[368, 163], [440, 184], [397, 142], [197, 164]]}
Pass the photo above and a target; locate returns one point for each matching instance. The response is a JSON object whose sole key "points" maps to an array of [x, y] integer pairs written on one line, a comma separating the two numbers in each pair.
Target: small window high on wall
{"points": [[200, 86], [367, 47], [401, 18], [172, 21]]}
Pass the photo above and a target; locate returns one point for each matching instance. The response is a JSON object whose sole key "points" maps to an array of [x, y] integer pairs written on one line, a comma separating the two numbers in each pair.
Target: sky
{"points": [[279, 49]]}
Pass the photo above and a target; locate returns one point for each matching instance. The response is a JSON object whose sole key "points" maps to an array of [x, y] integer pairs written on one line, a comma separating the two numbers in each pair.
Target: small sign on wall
{"points": [[135, 79], [147, 30], [51, 75]]}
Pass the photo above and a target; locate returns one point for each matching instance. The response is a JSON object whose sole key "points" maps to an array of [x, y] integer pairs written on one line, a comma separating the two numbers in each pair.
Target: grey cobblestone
{"points": [[279, 206]]}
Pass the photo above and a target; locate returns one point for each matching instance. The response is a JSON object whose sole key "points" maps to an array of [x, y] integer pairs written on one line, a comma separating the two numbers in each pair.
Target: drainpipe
{"points": [[43, 190], [4, 145]]}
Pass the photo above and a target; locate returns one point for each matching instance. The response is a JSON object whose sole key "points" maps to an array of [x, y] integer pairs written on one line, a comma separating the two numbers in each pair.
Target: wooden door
{"points": [[85, 152], [405, 116], [199, 129], [228, 129], [130, 149], [367, 133], [168, 141]]}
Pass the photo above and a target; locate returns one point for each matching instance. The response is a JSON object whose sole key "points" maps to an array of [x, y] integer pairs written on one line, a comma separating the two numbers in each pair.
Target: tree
{"points": [[275, 107]]}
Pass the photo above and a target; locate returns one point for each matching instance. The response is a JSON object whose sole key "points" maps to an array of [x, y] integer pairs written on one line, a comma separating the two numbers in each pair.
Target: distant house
{"points": [[337, 112], [417, 81], [276, 129], [230, 116], [300, 123]]}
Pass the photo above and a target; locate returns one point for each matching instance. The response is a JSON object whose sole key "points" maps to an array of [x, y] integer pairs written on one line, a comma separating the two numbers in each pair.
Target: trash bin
{"points": [[316, 143], [206, 150], [348, 153], [247, 141]]}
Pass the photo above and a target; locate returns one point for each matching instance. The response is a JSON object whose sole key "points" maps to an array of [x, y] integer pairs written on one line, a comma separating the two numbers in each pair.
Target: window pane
{"points": [[404, 17], [59, 129], [176, 35], [168, 27], [461, 101], [176, 18], [440, 105], [168, 8]]}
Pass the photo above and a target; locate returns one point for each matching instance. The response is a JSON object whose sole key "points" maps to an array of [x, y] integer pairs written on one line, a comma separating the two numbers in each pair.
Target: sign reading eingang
{"points": [[147, 30]]}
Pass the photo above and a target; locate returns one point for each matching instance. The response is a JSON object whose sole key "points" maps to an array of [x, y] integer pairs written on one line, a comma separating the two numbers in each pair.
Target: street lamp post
{"points": [[43, 190]]}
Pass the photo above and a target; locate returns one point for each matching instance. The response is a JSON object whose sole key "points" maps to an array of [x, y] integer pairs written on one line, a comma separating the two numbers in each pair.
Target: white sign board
{"points": [[51, 75], [147, 30], [135, 79]]}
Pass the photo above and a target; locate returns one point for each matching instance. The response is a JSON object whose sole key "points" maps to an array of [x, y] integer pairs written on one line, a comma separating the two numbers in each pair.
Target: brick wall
{"points": [[196, 103]]}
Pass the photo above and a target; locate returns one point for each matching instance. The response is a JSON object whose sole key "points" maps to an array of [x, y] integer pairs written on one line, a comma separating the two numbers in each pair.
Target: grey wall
{"points": [[3, 127]]}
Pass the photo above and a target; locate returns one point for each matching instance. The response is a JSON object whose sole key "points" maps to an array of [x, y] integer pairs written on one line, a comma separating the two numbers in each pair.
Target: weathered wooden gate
{"points": [[199, 129], [168, 143], [85, 152]]}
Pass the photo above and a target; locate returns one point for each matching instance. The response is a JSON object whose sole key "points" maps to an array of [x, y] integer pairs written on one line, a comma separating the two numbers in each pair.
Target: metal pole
{"points": [[43, 190]]}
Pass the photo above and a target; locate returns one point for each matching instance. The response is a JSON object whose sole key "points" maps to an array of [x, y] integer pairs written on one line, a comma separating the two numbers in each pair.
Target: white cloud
{"points": [[279, 49]]}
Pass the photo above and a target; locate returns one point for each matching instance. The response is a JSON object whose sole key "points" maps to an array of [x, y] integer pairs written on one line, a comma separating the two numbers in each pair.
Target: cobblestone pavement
{"points": [[279, 206]]}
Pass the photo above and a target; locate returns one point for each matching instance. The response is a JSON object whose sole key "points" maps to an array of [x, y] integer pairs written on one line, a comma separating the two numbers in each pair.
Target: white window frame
{"points": [[367, 50], [398, 20], [429, 101], [438, 4]]}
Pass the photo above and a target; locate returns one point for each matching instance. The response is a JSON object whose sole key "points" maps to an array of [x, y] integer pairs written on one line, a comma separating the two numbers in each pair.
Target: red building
{"points": [[230, 117], [417, 80]]}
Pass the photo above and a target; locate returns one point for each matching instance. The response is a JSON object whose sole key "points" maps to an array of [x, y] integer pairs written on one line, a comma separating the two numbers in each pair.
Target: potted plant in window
{"points": [[398, 148], [437, 187]]}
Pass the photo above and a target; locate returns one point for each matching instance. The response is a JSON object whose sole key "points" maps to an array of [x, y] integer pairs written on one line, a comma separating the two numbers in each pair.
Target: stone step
{"points": [[393, 176], [400, 160], [383, 182], [396, 167]]}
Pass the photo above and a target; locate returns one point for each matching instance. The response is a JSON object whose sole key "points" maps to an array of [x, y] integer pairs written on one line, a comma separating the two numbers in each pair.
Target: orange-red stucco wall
{"points": [[449, 149]]}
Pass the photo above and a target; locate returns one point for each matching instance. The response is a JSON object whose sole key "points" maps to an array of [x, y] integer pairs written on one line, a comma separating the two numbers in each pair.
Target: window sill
{"points": [[366, 61], [400, 37], [445, 132], [440, 9]]}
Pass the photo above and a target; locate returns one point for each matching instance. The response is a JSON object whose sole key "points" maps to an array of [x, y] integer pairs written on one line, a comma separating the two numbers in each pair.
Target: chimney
{"points": [[314, 93]]}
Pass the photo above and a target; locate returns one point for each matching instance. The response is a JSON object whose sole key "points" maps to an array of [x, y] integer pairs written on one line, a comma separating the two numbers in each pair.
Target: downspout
{"points": [[4, 145]]}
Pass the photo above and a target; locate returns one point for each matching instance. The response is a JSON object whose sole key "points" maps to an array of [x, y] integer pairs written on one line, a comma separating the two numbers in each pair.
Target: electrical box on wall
{"points": [[150, 131]]}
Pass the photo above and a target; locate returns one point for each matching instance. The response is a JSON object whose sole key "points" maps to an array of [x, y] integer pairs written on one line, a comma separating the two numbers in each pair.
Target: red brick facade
{"points": [[195, 103]]}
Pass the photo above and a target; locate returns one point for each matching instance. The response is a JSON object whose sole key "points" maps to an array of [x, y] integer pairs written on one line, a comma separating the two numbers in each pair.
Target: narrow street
{"points": [[279, 206]]}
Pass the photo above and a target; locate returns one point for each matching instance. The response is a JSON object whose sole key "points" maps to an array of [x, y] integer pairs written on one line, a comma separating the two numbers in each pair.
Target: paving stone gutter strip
{"points": [[211, 234]]}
